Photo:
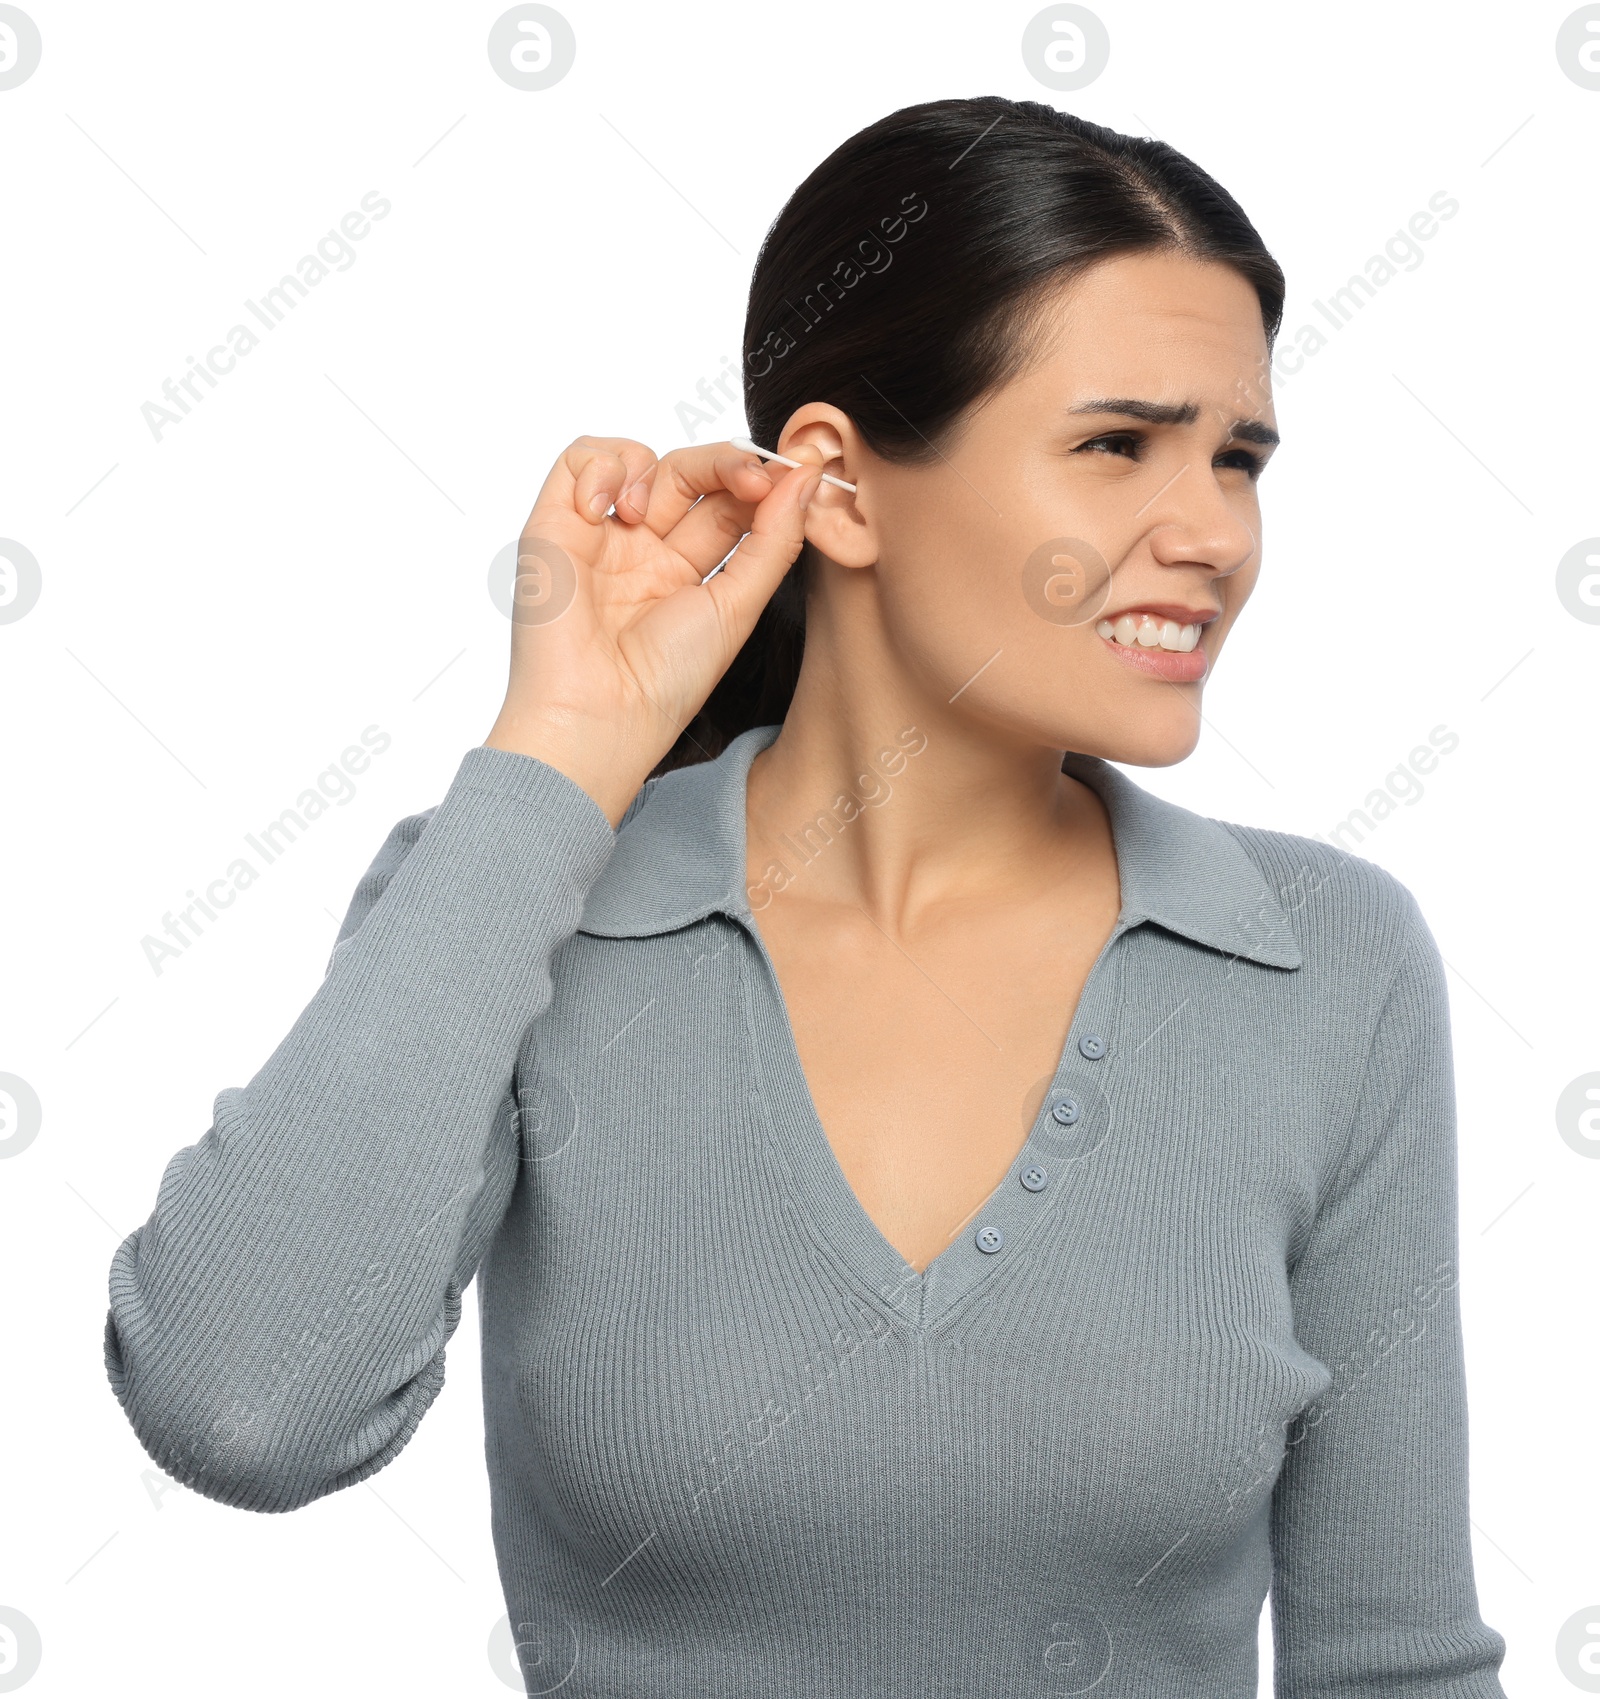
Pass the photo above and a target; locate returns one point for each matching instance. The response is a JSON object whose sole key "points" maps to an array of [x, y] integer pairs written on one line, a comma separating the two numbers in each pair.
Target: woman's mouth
{"points": [[1163, 647]]}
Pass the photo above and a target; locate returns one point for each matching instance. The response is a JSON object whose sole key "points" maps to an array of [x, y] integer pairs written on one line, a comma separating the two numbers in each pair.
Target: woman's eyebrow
{"points": [[1152, 412], [1252, 430], [1175, 413]]}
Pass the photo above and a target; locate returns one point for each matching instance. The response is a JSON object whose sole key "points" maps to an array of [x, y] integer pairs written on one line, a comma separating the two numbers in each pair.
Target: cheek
{"points": [[1008, 560], [1008, 597], [1068, 539], [941, 563], [939, 600]]}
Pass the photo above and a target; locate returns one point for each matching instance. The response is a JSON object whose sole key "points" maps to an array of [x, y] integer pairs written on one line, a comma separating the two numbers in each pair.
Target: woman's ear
{"points": [[836, 520]]}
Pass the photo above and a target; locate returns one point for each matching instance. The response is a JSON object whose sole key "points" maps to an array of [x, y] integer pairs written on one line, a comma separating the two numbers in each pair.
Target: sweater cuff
{"points": [[573, 819]]}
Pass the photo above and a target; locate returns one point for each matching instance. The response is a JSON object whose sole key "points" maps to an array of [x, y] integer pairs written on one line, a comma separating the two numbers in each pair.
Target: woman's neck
{"points": [[873, 794]]}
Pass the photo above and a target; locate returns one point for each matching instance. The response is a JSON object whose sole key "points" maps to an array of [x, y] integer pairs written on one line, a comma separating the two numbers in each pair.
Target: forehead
{"points": [[1153, 325]]}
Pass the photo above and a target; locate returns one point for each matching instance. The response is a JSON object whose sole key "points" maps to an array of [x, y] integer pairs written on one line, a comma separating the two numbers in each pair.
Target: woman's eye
{"points": [[1131, 446], [1243, 460], [1116, 443]]}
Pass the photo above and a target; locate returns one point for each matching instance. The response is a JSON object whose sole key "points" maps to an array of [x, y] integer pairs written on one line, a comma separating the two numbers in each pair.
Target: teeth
{"points": [[1145, 631]]}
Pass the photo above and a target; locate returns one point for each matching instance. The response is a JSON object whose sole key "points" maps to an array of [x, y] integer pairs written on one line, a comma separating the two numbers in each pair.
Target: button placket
{"points": [[1076, 1114], [1073, 1120]]}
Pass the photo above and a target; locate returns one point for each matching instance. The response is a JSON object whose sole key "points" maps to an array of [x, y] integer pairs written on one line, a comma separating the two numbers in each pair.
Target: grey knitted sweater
{"points": [[1203, 1339]]}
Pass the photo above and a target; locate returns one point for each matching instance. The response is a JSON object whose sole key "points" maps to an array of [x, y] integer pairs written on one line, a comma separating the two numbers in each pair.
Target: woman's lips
{"points": [[1179, 668]]}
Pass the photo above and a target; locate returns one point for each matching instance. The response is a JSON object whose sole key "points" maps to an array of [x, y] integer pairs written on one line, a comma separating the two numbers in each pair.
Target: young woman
{"points": [[947, 1221]]}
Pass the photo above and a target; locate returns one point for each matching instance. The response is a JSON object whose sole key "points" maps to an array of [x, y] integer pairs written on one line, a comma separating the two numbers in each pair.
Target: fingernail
{"points": [[599, 503], [808, 492], [639, 496]]}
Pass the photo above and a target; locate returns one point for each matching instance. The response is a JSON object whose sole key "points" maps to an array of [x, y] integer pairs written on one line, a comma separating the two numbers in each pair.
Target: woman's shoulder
{"points": [[646, 791], [402, 838], [1337, 902]]}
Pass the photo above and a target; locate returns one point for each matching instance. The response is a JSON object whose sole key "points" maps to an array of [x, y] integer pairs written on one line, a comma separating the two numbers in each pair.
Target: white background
{"points": [[306, 554]]}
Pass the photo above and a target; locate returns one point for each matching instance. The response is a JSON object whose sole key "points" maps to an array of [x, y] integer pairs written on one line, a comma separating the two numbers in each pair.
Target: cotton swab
{"points": [[749, 447]]}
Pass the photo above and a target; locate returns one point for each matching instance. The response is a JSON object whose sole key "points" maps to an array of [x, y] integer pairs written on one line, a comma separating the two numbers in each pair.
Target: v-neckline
{"points": [[1058, 1139]]}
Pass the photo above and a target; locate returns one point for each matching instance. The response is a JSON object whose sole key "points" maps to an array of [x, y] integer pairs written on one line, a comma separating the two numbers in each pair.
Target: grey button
{"points": [[1078, 1121], [989, 1239], [1034, 1178], [1092, 1045]]}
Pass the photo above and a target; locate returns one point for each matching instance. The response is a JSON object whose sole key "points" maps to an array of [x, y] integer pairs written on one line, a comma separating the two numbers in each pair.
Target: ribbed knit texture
{"points": [[736, 1445]]}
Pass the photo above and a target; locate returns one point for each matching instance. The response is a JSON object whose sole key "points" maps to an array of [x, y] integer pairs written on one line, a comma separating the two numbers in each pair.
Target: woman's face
{"points": [[1109, 488]]}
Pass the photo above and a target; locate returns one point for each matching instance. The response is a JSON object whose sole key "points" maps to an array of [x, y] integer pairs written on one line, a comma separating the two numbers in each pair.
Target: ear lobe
{"points": [[837, 528]]}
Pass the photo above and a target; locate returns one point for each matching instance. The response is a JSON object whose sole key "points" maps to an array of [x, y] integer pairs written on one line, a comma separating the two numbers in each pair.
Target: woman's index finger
{"points": [[685, 474]]}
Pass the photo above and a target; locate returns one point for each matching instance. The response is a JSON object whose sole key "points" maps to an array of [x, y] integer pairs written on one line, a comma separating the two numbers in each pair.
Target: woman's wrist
{"points": [[593, 757]]}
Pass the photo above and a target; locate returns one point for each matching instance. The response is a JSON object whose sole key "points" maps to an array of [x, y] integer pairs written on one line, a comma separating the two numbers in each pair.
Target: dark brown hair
{"points": [[901, 283]]}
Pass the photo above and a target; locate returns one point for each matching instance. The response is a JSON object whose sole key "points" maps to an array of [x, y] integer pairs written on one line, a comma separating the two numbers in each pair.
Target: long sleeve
{"points": [[277, 1327], [1373, 1589]]}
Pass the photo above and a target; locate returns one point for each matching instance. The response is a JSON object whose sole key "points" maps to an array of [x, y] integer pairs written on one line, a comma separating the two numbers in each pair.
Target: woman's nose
{"points": [[1197, 520]]}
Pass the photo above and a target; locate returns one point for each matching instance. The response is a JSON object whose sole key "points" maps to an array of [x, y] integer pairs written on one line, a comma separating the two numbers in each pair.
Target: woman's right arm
{"points": [[277, 1327]]}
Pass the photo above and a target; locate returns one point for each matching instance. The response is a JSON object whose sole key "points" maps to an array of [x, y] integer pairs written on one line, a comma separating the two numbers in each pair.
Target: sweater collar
{"points": [[680, 856]]}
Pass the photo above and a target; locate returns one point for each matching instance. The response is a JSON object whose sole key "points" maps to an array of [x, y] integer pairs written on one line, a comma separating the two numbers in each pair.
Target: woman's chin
{"points": [[1162, 743]]}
